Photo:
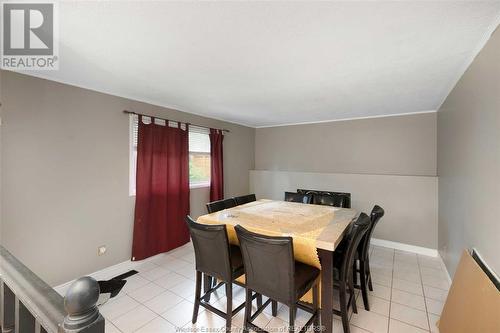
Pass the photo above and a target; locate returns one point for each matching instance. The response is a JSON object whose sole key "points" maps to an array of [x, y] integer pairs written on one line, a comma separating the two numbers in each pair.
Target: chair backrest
{"points": [[245, 199], [218, 205], [353, 238], [269, 264], [329, 200], [215, 206], [298, 197], [211, 249], [229, 203], [375, 216], [345, 195]]}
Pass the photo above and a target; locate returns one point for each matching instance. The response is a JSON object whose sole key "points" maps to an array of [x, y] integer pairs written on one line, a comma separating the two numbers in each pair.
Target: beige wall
{"points": [[469, 161], [390, 161], [401, 145], [399, 195], [64, 174]]}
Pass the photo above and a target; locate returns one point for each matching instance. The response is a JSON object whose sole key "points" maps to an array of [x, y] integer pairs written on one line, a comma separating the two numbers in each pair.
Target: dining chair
{"points": [[215, 206], [298, 197], [229, 203], [219, 205], [333, 200], [362, 263], [271, 270], [343, 263], [215, 257], [241, 200], [345, 195]]}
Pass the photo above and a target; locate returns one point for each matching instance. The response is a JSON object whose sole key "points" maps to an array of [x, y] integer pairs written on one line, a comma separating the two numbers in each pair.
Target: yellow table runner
{"points": [[303, 222]]}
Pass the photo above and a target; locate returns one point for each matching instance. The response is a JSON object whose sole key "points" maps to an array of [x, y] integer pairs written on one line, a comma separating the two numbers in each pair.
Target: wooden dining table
{"points": [[316, 232]]}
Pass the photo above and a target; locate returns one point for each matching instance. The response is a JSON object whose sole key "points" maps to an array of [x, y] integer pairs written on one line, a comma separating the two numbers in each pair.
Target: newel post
{"points": [[80, 304]]}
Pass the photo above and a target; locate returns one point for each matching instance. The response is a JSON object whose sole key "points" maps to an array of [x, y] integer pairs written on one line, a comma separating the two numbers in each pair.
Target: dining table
{"points": [[316, 231]]}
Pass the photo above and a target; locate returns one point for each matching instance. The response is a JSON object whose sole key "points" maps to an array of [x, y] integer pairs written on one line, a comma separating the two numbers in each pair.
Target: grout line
{"points": [[423, 292], [390, 297], [112, 321], [138, 328], [420, 328]]}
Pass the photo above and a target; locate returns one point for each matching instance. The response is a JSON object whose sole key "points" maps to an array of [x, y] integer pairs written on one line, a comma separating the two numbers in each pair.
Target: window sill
{"points": [[199, 185]]}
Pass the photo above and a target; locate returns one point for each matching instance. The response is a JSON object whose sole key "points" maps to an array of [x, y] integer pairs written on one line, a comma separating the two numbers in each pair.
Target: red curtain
{"points": [[162, 189], [216, 168]]}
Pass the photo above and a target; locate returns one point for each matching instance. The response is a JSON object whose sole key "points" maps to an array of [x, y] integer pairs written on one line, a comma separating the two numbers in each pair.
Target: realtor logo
{"points": [[29, 40]]}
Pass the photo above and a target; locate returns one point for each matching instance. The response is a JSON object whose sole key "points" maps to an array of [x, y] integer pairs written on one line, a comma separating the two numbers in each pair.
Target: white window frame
{"points": [[199, 184], [133, 161]]}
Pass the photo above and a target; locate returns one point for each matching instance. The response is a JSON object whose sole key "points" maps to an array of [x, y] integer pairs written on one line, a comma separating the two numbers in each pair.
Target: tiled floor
{"points": [[408, 296]]}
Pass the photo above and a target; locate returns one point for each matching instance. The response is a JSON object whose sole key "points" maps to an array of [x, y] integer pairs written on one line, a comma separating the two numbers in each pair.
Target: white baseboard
{"points": [[405, 247], [445, 269], [110, 271], [128, 265], [100, 274]]}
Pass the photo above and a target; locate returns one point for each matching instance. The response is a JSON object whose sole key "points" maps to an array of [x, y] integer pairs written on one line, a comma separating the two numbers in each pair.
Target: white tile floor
{"points": [[408, 296]]}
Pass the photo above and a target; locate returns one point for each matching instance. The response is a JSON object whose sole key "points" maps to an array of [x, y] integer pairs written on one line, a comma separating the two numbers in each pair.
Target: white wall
{"points": [[410, 202]]}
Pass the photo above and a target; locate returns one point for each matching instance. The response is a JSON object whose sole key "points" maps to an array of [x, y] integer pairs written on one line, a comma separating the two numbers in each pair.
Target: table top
{"points": [[323, 225]]}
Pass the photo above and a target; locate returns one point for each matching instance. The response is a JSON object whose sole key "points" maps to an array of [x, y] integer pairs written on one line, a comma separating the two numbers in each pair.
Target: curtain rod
{"points": [[147, 115]]}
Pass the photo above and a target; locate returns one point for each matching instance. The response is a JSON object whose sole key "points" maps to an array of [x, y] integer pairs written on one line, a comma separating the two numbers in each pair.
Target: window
{"points": [[199, 155]]}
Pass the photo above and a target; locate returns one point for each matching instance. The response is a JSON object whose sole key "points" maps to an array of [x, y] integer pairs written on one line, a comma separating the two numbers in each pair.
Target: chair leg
{"points": [[248, 309], [343, 307], [368, 274], [207, 285], [355, 272], [364, 291], [291, 322], [316, 307], [274, 306], [352, 297], [229, 308], [259, 300], [197, 297]]}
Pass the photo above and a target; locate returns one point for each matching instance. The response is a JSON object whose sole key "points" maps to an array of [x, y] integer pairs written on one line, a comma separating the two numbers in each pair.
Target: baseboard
{"points": [[405, 247], [127, 265], [123, 266], [446, 270]]}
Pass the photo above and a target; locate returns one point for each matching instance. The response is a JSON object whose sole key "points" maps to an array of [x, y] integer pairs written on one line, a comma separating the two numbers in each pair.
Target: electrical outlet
{"points": [[101, 250]]}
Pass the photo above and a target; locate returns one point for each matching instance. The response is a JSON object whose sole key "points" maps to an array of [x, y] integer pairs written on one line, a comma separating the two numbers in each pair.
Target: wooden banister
{"points": [[28, 304]]}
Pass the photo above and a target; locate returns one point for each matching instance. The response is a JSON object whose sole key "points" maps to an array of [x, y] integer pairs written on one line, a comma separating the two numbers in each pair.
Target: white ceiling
{"points": [[271, 63]]}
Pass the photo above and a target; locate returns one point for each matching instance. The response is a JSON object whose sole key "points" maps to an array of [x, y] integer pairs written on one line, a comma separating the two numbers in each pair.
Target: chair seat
{"points": [[305, 276], [236, 261]]}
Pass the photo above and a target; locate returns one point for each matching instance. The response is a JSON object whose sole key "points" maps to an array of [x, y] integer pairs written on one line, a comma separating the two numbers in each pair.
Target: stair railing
{"points": [[28, 304]]}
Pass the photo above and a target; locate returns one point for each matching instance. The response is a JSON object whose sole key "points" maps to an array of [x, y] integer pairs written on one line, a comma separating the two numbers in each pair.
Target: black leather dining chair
{"points": [[362, 266], [298, 197], [215, 206], [229, 203], [329, 200], [271, 270], [346, 196], [343, 262], [219, 205], [215, 257], [241, 200]]}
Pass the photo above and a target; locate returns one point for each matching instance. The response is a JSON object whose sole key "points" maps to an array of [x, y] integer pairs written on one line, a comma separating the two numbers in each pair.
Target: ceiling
{"points": [[274, 63]]}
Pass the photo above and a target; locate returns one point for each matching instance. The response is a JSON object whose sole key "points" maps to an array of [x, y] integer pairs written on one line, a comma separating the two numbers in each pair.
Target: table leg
{"points": [[326, 259]]}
